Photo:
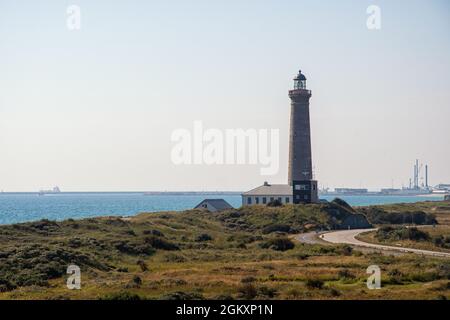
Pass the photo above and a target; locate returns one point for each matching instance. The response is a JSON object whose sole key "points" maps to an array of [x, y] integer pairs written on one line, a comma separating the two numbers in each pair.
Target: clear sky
{"points": [[94, 109]]}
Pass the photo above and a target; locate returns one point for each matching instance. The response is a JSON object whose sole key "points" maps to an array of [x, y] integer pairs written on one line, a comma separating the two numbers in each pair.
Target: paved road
{"points": [[309, 237], [348, 237]]}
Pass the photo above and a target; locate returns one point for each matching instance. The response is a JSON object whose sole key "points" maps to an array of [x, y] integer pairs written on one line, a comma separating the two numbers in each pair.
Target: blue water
{"points": [[374, 200], [29, 207]]}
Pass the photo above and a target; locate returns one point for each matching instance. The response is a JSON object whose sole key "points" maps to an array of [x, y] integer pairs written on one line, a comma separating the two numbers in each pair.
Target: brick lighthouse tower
{"points": [[300, 175]]}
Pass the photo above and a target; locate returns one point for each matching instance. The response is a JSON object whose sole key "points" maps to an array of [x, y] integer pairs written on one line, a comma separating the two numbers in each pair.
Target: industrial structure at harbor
{"points": [[418, 185]]}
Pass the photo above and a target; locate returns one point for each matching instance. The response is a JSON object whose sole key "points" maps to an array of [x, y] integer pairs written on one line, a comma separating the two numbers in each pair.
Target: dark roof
{"points": [[300, 76], [219, 204]]}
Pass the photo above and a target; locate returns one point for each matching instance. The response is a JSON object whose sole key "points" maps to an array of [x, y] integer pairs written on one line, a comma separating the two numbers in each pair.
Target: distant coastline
{"points": [[128, 192], [18, 207]]}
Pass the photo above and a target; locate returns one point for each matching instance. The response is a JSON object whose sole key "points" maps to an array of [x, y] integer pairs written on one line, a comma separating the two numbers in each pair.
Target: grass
{"points": [[199, 255]]}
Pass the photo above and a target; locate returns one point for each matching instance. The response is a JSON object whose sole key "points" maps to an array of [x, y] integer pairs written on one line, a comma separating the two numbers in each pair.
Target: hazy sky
{"points": [[94, 109]]}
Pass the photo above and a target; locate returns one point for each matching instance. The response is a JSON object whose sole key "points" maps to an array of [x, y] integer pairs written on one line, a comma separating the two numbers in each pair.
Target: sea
{"points": [[24, 207]]}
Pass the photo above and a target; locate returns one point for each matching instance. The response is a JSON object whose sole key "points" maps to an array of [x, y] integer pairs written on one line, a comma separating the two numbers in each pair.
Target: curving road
{"points": [[349, 237]]}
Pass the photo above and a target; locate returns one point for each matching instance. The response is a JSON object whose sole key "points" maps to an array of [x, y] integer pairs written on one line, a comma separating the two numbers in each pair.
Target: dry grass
{"points": [[216, 268]]}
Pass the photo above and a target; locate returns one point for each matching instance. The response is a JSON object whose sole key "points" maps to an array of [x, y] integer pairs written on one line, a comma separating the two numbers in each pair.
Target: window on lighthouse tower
{"points": [[300, 84]]}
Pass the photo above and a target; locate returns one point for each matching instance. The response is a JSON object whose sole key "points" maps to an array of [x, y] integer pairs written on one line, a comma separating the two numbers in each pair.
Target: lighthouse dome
{"points": [[300, 76]]}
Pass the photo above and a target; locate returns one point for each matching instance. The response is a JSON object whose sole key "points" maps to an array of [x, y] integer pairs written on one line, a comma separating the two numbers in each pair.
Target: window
{"points": [[279, 199], [301, 187], [306, 197], [257, 200], [287, 199], [297, 197], [264, 200], [249, 200], [271, 199], [314, 187]]}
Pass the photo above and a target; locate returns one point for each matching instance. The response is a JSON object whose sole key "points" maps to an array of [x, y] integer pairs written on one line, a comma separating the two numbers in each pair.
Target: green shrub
{"points": [[160, 243], [401, 233], [279, 244], [123, 295], [142, 265], [276, 228], [180, 295], [137, 281], [345, 274], [377, 215], [173, 257], [223, 297], [248, 279], [314, 284], [345, 250], [441, 241], [247, 291], [203, 237], [267, 292], [133, 248], [334, 292], [153, 232]]}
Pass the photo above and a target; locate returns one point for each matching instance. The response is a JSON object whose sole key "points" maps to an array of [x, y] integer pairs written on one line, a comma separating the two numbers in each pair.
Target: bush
{"points": [[314, 284], [173, 257], [132, 248], [276, 228], [142, 265], [203, 237], [279, 244], [302, 256], [377, 215], [137, 281], [160, 243], [401, 233], [441, 241], [223, 297], [34, 264], [345, 250], [248, 291], [346, 274], [153, 232], [179, 295], [334, 292], [5, 285], [267, 292], [124, 295], [248, 279], [294, 293]]}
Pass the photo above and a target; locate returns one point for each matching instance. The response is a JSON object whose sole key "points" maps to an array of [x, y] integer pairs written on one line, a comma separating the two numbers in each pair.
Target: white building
{"points": [[267, 193]]}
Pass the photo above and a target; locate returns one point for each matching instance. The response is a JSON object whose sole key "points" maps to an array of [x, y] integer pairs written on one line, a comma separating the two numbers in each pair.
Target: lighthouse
{"points": [[301, 186], [300, 173]]}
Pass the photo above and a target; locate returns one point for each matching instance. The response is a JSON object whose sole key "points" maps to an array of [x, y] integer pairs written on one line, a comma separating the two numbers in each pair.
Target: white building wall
{"points": [[259, 200]]}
